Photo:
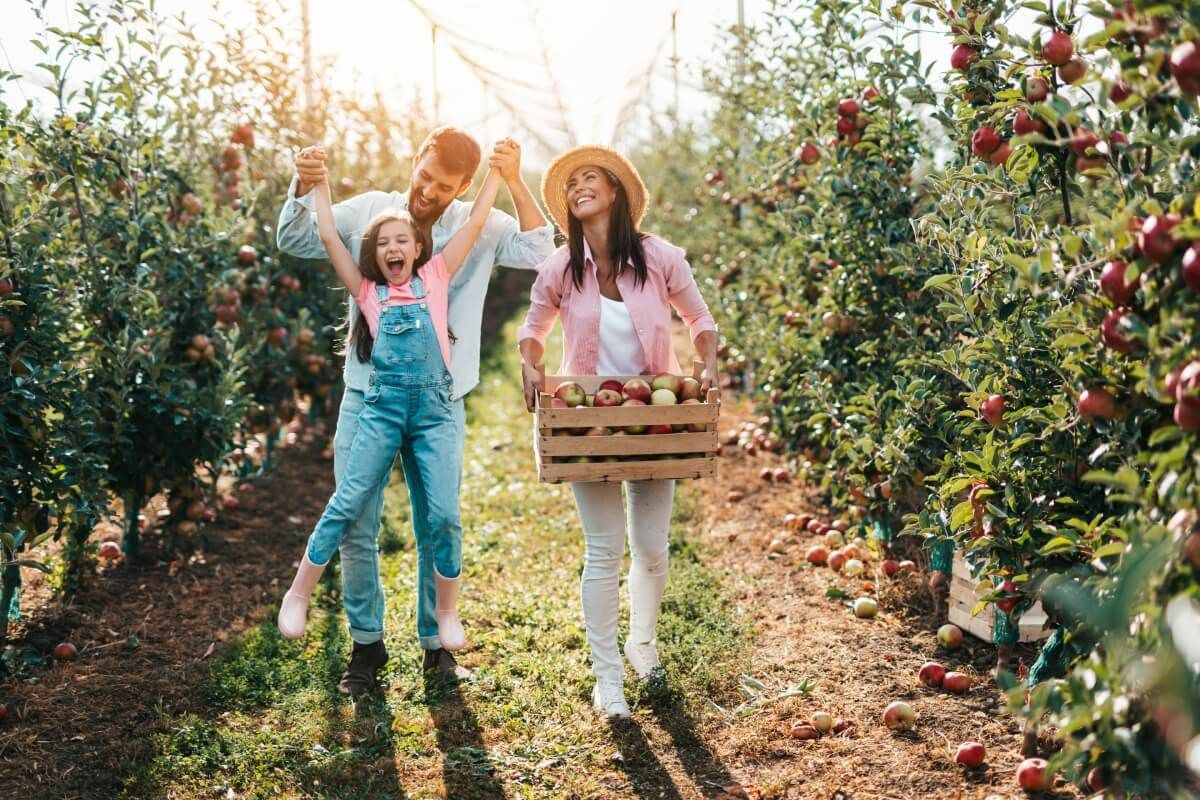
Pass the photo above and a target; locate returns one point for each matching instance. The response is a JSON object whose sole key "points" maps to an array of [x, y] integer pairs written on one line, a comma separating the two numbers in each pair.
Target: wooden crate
{"points": [[642, 457], [963, 600]]}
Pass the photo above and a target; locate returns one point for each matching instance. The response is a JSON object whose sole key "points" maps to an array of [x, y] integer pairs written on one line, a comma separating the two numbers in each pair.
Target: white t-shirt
{"points": [[620, 350]]}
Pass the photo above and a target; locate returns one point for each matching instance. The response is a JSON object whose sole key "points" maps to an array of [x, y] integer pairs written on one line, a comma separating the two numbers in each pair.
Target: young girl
{"points": [[402, 295]]}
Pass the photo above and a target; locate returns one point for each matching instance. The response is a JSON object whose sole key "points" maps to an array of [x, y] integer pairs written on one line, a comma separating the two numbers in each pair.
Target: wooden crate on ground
{"points": [[562, 456], [963, 600]]}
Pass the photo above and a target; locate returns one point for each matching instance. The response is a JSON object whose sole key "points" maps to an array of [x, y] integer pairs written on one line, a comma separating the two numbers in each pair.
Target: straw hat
{"points": [[554, 180]]}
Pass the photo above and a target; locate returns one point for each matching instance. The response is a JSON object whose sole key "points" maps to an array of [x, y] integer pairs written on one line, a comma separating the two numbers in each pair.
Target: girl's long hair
{"points": [[624, 239], [362, 341]]}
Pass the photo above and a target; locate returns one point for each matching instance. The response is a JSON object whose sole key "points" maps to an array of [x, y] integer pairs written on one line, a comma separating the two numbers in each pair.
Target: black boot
{"points": [[442, 662], [366, 660]]}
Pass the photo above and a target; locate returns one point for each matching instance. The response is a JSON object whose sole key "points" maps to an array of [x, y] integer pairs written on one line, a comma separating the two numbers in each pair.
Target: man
{"points": [[442, 171]]}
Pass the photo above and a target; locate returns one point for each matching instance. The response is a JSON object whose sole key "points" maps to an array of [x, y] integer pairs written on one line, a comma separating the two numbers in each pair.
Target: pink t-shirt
{"points": [[437, 295]]}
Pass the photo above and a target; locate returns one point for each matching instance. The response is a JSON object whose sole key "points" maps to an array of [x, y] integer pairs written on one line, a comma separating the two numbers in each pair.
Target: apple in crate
{"points": [[637, 389], [607, 398], [661, 427], [570, 393], [599, 430], [665, 380], [689, 389], [663, 397], [611, 385]]}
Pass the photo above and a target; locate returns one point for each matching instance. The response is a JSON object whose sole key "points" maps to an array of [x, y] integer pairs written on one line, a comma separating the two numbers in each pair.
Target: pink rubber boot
{"points": [[450, 629], [293, 611]]}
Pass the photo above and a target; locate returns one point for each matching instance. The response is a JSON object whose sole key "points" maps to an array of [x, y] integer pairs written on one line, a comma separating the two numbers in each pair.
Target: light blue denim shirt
{"points": [[501, 242]]}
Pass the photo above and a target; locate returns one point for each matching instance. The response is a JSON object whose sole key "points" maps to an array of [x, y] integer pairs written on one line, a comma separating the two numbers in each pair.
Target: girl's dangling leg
{"points": [[293, 611]]}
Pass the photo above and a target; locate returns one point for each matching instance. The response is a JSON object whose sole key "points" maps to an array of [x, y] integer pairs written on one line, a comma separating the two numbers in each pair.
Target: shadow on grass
{"points": [[647, 776], [467, 769], [698, 760]]}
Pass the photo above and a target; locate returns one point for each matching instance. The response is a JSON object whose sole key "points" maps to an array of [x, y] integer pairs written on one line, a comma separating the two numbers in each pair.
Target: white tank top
{"points": [[620, 350]]}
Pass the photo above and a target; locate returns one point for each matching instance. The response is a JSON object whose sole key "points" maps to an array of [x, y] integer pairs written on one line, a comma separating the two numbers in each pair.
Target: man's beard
{"points": [[429, 215]]}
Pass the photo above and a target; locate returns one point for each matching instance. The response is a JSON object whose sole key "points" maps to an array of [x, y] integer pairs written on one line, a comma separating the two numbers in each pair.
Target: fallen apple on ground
{"points": [[865, 608], [899, 716], [956, 682], [822, 721], [950, 636], [970, 754], [931, 674], [1032, 775], [65, 651]]}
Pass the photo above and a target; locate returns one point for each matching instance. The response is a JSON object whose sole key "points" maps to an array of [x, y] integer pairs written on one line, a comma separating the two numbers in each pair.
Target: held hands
{"points": [[310, 169], [709, 377], [533, 376], [506, 160]]}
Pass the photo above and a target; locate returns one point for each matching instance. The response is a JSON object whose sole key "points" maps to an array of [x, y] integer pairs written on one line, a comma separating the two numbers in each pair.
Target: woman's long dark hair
{"points": [[624, 239], [363, 342]]}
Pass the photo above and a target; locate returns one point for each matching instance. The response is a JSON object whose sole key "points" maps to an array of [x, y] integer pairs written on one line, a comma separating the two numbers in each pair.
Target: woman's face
{"points": [[590, 195], [396, 250]]}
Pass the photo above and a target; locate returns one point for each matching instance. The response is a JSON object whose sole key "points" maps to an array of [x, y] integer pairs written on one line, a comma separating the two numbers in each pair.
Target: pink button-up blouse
{"points": [[669, 283]]}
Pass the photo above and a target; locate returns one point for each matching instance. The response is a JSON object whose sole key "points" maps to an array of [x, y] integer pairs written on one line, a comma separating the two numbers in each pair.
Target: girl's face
{"points": [[396, 251], [589, 193]]}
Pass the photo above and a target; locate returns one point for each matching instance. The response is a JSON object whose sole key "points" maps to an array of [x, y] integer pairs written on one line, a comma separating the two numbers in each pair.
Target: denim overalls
{"points": [[407, 408]]}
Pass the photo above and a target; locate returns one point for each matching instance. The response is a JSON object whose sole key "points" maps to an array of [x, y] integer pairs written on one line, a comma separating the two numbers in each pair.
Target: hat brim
{"points": [[554, 180]]}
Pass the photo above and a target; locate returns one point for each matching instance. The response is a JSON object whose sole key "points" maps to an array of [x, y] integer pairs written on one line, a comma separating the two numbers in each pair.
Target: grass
{"points": [[271, 724]]}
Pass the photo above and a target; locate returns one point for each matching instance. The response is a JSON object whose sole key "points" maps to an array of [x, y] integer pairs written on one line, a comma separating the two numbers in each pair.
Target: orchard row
{"points": [[969, 303]]}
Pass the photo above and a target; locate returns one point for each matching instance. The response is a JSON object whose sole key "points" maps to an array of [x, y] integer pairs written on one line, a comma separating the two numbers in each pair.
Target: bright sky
{"points": [[573, 68]]}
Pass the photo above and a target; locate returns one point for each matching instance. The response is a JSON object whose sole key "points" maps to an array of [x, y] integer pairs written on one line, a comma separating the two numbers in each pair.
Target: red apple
{"points": [[1185, 67], [734, 496], [1058, 48], [1113, 285], [1073, 71], [611, 385], [847, 107], [6, 287], [1155, 239], [714, 177], [1095, 780], [890, 567], [992, 410], [231, 503], [817, 554], [999, 156], [845, 126], [1191, 267], [908, 566], [956, 682], [244, 135], [970, 754], [571, 393], [1191, 550], [781, 475], [1187, 417], [607, 398], [1007, 604], [1083, 139], [931, 674], [949, 636], [689, 389], [1024, 124], [899, 716], [65, 651], [637, 389], [1111, 334], [277, 336], [802, 730], [813, 525], [836, 560], [984, 140], [963, 56], [660, 429], [1120, 91], [1097, 404], [1032, 775], [870, 94], [1037, 89], [247, 254], [808, 153], [109, 550]]}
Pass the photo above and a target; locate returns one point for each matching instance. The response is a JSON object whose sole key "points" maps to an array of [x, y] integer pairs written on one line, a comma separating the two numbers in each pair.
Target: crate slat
{"points": [[683, 468], [622, 416], [628, 445]]}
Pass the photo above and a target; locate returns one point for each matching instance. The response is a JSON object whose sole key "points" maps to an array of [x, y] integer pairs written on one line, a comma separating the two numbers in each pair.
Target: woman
{"points": [[614, 288]]}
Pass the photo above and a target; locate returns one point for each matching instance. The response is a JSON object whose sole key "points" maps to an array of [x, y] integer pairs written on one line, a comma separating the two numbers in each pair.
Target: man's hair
{"points": [[454, 148]]}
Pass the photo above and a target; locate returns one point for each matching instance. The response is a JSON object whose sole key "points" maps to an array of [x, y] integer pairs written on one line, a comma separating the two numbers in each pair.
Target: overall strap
{"points": [[381, 291], [418, 287]]}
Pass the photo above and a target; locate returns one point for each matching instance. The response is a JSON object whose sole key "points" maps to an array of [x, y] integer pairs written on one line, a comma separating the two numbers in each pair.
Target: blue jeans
{"points": [[361, 585]]}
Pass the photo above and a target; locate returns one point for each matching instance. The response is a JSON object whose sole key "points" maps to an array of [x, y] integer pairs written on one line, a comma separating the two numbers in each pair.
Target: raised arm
{"points": [[343, 263], [456, 250], [296, 234]]}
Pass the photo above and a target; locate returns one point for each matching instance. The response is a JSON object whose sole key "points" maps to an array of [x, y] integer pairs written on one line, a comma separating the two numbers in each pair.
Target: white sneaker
{"points": [[643, 658], [609, 700]]}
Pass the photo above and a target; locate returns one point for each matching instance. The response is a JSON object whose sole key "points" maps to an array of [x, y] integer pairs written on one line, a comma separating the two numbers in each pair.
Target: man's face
{"points": [[433, 187]]}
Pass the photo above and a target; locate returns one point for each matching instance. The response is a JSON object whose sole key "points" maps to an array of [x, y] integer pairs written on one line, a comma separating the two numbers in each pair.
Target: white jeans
{"points": [[602, 512]]}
